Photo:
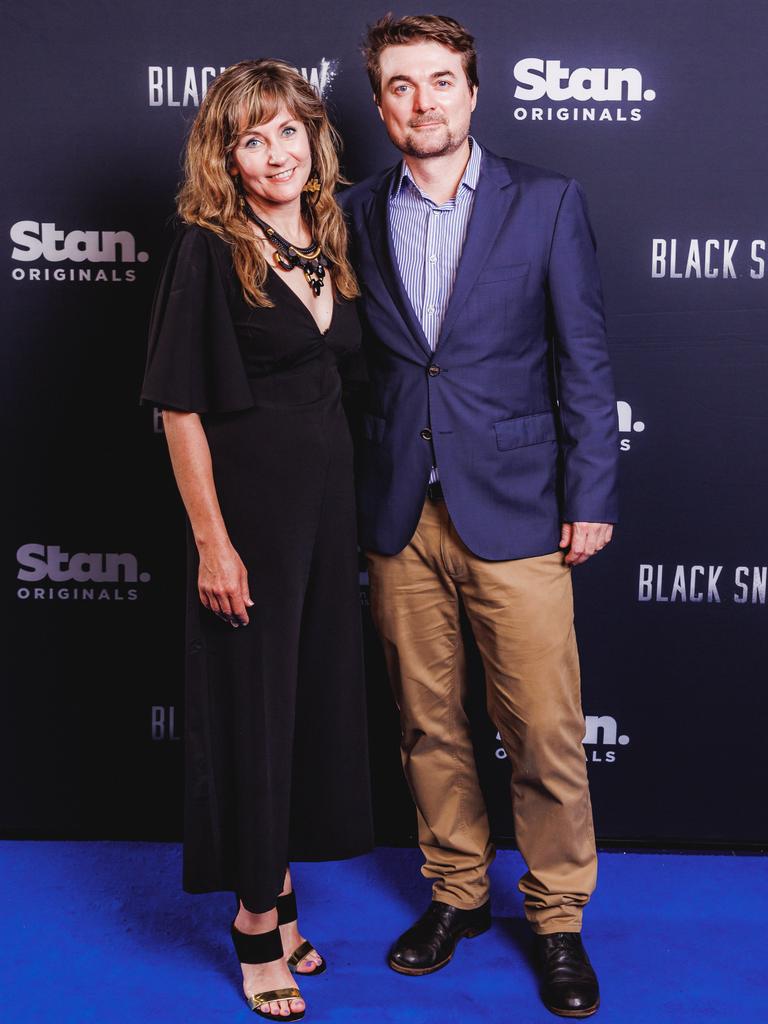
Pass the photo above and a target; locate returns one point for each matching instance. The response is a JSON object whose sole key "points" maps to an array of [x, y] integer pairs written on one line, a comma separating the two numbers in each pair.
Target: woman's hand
{"points": [[222, 583]]}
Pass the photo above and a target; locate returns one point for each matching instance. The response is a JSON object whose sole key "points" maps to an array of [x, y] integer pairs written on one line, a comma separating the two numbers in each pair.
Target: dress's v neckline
{"points": [[305, 307]]}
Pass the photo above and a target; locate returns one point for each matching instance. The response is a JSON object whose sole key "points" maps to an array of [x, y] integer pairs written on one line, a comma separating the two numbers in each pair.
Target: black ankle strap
{"points": [[286, 908], [257, 949]]}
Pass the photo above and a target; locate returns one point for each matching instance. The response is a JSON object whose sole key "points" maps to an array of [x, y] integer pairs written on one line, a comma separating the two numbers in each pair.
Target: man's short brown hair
{"points": [[416, 28]]}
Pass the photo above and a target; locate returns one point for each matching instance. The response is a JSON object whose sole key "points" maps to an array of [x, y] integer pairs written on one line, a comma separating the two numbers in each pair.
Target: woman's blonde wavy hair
{"points": [[251, 93]]}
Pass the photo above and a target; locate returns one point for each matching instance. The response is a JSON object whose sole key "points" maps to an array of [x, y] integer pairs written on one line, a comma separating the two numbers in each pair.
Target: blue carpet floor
{"points": [[99, 933]]}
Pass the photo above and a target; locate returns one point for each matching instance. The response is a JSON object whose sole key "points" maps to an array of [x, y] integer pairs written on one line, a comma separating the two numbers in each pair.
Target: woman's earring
{"points": [[239, 188], [313, 183]]}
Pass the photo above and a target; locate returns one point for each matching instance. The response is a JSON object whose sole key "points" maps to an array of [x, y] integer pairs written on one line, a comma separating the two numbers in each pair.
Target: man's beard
{"points": [[450, 142]]}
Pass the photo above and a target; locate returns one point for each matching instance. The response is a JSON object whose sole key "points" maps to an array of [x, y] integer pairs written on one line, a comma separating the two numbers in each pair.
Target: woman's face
{"points": [[273, 159]]}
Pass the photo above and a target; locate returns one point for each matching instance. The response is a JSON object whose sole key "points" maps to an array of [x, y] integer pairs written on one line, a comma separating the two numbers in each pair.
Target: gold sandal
{"points": [[286, 913], [260, 998], [263, 949]]}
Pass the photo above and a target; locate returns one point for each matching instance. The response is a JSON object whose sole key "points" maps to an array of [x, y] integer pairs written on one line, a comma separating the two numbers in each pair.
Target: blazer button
{"points": [[426, 434], [433, 370]]}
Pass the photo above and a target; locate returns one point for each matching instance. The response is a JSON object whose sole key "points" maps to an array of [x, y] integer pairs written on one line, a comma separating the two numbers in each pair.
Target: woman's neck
{"points": [[285, 218]]}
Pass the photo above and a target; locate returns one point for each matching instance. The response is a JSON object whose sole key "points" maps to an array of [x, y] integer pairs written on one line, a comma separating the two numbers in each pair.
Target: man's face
{"points": [[426, 102]]}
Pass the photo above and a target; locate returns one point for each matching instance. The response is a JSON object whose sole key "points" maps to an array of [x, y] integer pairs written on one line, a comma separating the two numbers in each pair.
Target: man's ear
{"points": [[474, 96], [378, 106]]}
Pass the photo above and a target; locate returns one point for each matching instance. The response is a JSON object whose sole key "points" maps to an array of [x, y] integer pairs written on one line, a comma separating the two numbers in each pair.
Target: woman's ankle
{"points": [[255, 924], [287, 883]]}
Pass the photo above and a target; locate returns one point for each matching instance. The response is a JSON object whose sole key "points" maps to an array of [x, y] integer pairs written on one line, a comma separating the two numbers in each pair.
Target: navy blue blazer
{"points": [[518, 396]]}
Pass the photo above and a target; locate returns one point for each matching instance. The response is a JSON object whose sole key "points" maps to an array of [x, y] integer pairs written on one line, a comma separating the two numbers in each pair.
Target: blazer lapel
{"points": [[384, 253], [496, 191]]}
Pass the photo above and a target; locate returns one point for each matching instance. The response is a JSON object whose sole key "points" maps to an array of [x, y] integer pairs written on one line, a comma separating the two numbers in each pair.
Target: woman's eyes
{"points": [[287, 132]]}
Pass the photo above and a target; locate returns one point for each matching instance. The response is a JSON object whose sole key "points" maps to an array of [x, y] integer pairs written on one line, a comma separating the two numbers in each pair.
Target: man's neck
{"points": [[438, 176]]}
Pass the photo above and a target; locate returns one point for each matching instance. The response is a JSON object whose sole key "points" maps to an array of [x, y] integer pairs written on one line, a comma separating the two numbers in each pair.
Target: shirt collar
{"points": [[468, 179]]}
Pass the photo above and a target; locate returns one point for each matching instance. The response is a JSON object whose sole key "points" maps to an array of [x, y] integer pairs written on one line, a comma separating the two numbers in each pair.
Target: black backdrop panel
{"points": [[658, 109]]}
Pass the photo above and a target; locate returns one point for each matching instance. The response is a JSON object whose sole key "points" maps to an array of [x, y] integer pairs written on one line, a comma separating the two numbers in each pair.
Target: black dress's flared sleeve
{"points": [[194, 362]]}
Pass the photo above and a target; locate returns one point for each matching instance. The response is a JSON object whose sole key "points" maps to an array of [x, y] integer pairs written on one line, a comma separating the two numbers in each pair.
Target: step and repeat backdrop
{"points": [[658, 109]]}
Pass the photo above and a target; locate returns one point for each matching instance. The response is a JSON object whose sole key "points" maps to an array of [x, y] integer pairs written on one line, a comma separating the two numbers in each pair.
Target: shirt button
{"points": [[426, 434], [433, 259], [433, 370], [430, 309]]}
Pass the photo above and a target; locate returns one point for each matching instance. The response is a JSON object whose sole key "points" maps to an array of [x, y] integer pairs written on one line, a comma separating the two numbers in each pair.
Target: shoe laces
{"points": [[565, 957]]}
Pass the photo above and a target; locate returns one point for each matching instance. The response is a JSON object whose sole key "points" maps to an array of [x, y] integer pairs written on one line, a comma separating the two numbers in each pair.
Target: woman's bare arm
{"points": [[223, 579]]}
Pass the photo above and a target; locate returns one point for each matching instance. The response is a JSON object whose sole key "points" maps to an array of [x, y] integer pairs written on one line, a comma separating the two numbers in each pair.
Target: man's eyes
{"points": [[404, 87]]}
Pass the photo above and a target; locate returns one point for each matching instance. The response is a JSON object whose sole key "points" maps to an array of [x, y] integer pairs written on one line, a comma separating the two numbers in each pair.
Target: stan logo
{"points": [[602, 735], [627, 425], [40, 562], [177, 87], [542, 80], [34, 241]]}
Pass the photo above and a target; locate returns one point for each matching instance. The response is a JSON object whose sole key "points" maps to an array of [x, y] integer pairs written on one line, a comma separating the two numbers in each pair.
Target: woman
{"points": [[253, 320]]}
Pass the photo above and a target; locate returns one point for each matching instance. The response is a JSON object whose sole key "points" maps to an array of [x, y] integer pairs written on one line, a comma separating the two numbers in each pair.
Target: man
{"points": [[489, 452]]}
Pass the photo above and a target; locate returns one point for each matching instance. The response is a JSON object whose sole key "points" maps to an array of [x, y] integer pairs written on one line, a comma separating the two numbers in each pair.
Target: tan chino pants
{"points": [[521, 613]]}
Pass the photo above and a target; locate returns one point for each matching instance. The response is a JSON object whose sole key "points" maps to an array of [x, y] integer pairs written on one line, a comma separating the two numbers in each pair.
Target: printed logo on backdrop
{"points": [[601, 740], [49, 574], [627, 425], [552, 91], [164, 723], [702, 584], [723, 259], [87, 256], [186, 87]]}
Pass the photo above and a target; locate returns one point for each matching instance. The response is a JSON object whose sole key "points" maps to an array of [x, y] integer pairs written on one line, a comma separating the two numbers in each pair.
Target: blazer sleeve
{"points": [[194, 362], [585, 383]]}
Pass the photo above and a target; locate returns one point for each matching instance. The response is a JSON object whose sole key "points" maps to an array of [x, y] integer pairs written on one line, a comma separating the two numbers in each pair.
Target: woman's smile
{"points": [[282, 175]]}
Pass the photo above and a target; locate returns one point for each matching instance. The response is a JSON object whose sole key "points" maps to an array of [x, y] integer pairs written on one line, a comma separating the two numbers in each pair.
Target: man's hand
{"points": [[583, 540]]}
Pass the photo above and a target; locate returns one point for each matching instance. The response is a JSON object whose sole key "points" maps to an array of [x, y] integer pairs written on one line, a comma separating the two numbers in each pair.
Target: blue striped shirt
{"points": [[428, 240]]}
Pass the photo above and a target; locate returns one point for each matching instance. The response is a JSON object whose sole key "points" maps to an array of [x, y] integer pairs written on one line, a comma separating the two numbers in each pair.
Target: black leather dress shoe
{"points": [[568, 983], [430, 943]]}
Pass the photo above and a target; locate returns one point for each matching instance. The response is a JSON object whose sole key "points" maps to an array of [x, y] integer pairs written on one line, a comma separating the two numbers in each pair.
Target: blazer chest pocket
{"points": [[525, 430], [498, 275], [373, 428]]}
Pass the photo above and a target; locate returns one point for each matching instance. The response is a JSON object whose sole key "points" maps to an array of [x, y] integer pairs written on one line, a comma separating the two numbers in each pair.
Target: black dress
{"points": [[275, 728]]}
